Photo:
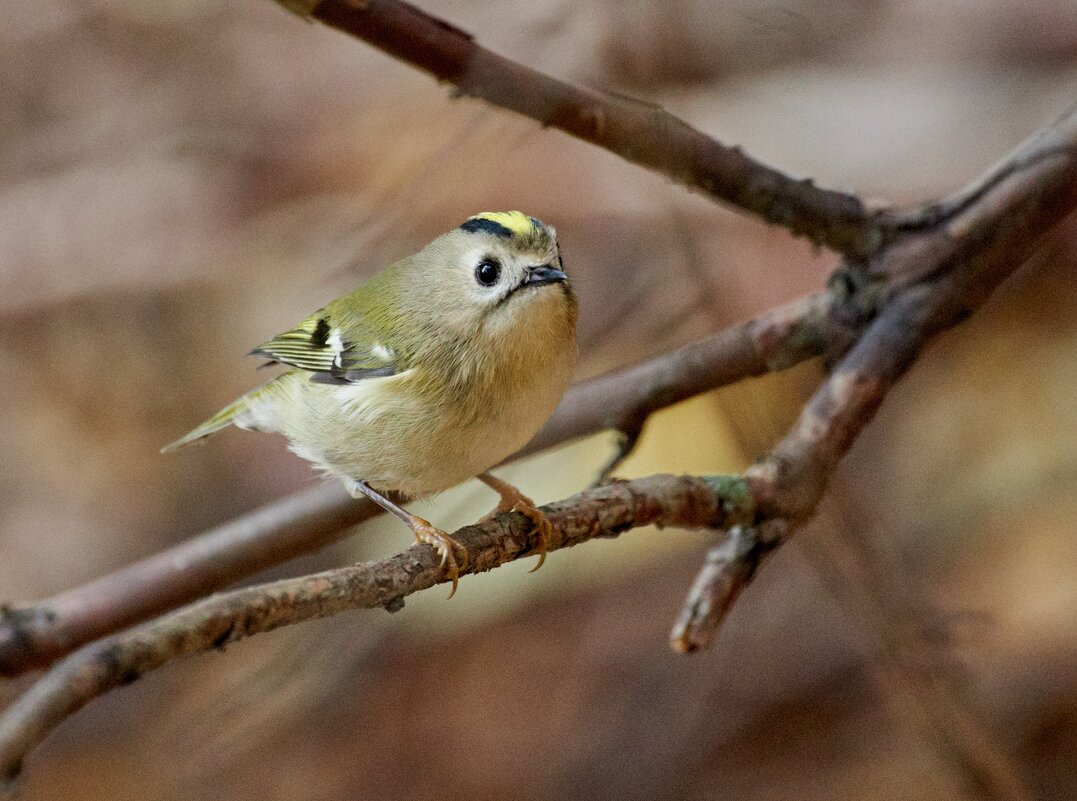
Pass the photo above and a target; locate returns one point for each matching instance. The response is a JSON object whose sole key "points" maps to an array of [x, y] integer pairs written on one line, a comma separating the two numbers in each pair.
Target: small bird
{"points": [[430, 373]]}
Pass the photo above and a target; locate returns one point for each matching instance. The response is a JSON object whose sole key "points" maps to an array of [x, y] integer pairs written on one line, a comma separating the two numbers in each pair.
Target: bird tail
{"points": [[232, 414]]}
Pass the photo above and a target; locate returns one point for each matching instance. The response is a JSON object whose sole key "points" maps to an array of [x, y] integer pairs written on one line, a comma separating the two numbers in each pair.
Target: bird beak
{"points": [[537, 276]]}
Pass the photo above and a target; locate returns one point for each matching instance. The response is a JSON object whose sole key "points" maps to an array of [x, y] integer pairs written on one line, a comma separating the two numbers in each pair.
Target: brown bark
{"points": [[907, 277], [36, 634]]}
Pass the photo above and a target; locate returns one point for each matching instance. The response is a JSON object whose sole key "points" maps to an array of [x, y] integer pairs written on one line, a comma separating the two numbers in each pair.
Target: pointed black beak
{"points": [[537, 276]]}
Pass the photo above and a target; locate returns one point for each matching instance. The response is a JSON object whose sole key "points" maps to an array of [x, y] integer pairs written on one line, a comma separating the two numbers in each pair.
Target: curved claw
{"points": [[544, 528], [446, 546], [514, 500]]}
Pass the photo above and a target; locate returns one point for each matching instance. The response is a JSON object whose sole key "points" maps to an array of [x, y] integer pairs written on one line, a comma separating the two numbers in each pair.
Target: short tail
{"points": [[231, 414]]}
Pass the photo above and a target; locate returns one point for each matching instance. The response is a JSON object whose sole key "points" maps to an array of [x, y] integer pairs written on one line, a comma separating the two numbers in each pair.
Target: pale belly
{"points": [[378, 431]]}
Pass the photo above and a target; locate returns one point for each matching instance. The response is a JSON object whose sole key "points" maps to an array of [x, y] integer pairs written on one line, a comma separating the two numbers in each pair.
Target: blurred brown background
{"points": [[181, 179]]}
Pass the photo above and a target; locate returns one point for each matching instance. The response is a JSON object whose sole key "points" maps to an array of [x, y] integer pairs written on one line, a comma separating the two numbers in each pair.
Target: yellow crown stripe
{"points": [[516, 221]]}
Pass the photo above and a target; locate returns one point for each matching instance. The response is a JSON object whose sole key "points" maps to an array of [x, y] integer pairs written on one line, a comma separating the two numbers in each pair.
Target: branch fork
{"points": [[907, 276]]}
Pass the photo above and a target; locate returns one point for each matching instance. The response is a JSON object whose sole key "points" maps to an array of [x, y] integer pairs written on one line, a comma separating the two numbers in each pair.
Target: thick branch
{"points": [[937, 278], [922, 273], [35, 635], [685, 502], [957, 266], [639, 132]]}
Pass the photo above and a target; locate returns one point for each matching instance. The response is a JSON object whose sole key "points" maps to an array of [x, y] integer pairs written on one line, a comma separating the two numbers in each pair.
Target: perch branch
{"points": [[663, 500], [639, 132], [902, 285], [975, 252], [34, 635]]}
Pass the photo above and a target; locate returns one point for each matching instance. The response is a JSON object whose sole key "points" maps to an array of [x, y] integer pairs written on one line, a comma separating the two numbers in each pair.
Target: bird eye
{"points": [[488, 272]]}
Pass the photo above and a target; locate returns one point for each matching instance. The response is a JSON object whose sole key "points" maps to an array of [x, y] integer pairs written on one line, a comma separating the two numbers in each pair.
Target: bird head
{"points": [[497, 274]]}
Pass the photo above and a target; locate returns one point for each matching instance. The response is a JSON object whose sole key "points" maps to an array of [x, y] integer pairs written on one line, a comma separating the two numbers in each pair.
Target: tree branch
{"points": [[663, 500], [906, 279], [935, 279], [639, 132], [34, 635]]}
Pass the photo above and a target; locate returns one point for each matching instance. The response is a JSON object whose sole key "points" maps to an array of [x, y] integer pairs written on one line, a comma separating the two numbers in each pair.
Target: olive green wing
{"points": [[333, 352]]}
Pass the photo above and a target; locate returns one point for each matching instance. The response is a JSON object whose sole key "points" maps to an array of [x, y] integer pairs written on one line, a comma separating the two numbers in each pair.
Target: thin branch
{"points": [[639, 132], [977, 251], [1045, 144], [34, 635], [776, 340], [906, 285], [628, 436], [727, 569], [956, 267], [663, 500]]}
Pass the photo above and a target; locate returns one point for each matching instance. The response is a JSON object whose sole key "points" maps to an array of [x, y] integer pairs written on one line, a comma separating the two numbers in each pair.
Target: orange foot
{"points": [[424, 532], [445, 545], [512, 500]]}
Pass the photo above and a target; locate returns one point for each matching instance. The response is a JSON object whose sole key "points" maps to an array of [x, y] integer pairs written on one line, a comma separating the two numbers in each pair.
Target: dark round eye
{"points": [[488, 272]]}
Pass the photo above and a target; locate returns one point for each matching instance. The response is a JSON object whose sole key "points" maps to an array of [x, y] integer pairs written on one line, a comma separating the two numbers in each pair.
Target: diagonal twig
{"points": [[663, 500], [907, 282], [639, 132], [978, 250], [937, 277]]}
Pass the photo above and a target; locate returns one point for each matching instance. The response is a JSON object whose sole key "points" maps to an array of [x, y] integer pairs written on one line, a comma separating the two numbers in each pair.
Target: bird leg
{"points": [[514, 500], [424, 531]]}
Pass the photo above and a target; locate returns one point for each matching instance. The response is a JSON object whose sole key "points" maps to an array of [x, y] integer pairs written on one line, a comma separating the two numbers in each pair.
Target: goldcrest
{"points": [[430, 373]]}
